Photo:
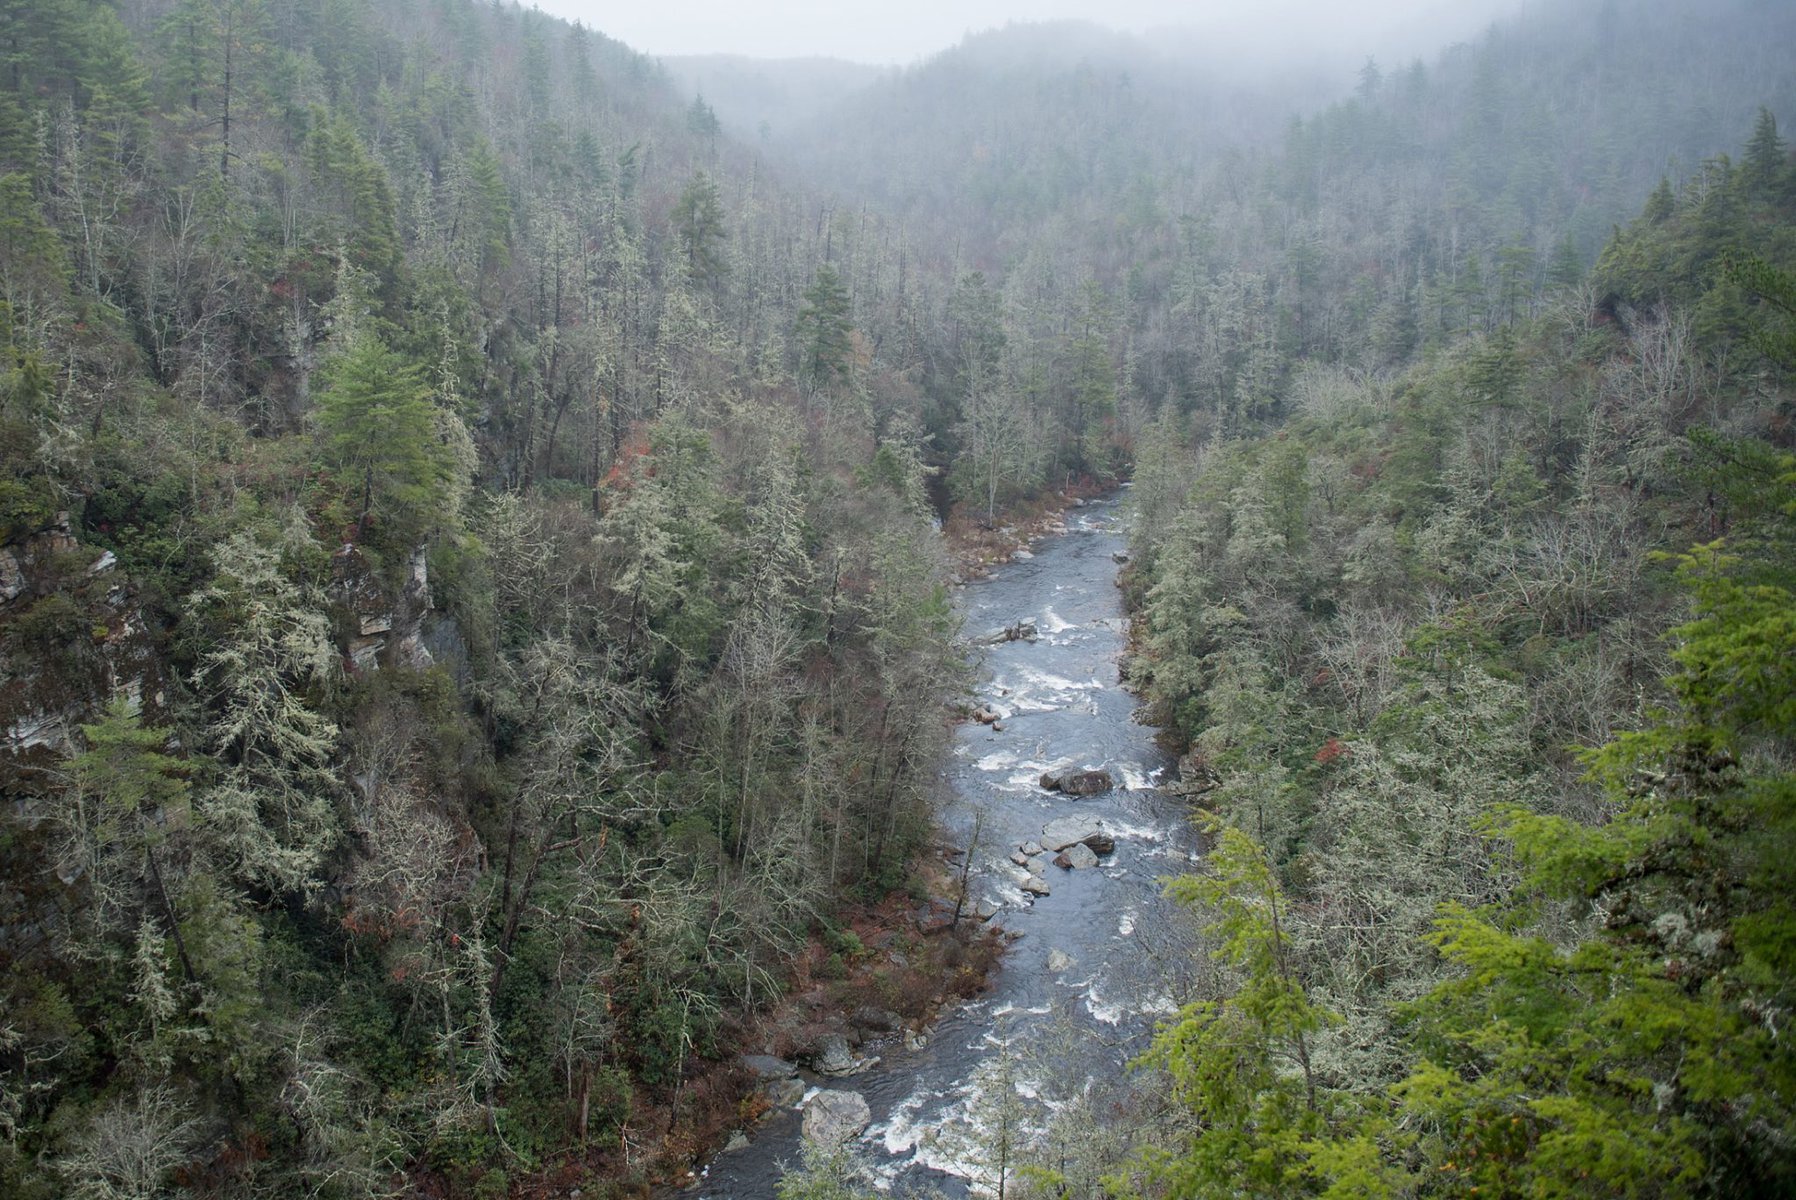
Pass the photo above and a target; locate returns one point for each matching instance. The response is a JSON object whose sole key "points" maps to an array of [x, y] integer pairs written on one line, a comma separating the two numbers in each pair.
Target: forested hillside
{"points": [[466, 628], [473, 616], [1483, 672]]}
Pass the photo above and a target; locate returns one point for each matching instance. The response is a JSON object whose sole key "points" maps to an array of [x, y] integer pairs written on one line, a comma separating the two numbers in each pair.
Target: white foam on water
{"points": [[1051, 622], [1007, 1008], [1133, 779], [1159, 1006], [1124, 831], [900, 1133], [1057, 682], [1102, 1010], [1125, 924], [1000, 760]]}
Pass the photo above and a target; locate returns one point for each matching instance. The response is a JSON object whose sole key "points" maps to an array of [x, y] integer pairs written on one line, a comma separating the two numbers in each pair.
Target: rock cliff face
{"points": [[386, 630], [71, 633]]}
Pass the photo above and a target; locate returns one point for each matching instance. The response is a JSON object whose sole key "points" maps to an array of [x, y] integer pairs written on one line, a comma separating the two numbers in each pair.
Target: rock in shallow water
{"points": [[832, 1118], [832, 1056], [1062, 832], [1076, 856], [1078, 783]]}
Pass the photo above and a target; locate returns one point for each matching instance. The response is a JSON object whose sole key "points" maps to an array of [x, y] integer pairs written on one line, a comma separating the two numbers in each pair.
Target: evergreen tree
{"points": [[698, 219], [377, 428], [824, 326]]}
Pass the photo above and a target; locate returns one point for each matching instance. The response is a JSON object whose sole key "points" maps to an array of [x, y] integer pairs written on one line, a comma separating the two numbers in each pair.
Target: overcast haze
{"points": [[885, 32]]}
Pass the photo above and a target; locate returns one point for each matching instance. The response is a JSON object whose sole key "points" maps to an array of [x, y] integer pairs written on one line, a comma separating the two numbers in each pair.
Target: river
{"points": [[1099, 960]]}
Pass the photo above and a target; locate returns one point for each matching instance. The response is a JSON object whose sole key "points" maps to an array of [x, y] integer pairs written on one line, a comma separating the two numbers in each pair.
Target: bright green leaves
{"points": [[125, 766], [1739, 654]]}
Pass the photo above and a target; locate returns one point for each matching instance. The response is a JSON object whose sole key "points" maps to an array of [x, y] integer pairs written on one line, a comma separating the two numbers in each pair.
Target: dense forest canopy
{"points": [[474, 611]]}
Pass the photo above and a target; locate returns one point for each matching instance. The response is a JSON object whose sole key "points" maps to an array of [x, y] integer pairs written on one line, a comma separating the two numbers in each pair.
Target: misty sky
{"points": [[889, 31]]}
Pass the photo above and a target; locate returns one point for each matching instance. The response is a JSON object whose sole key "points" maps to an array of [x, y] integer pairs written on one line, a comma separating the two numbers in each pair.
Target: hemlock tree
{"points": [[698, 219], [272, 806], [378, 428], [1644, 1055], [824, 326]]}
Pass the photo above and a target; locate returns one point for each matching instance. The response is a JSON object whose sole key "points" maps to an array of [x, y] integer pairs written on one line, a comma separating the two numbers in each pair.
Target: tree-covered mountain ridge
{"points": [[1482, 673], [471, 632]]}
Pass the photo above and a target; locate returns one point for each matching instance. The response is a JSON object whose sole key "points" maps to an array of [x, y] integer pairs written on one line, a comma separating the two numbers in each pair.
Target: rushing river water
{"points": [[1098, 961]]}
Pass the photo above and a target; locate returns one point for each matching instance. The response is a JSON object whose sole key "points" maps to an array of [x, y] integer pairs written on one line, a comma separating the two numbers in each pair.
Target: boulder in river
{"points": [[1031, 848], [1076, 856], [1059, 960], [1035, 885], [1086, 783], [1022, 631], [1019, 858], [1062, 832], [1078, 783], [1100, 842], [832, 1118]]}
